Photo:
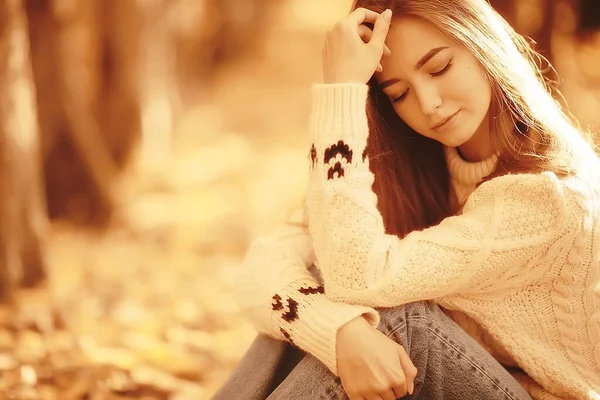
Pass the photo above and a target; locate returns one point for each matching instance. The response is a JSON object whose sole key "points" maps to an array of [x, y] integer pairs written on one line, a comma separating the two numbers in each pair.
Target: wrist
{"points": [[357, 323]]}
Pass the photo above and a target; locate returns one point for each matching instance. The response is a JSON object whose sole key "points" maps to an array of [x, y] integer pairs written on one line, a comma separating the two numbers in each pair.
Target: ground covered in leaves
{"points": [[144, 310]]}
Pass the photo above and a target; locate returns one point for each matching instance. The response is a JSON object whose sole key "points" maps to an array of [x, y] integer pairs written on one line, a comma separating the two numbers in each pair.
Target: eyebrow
{"points": [[430, 54]]}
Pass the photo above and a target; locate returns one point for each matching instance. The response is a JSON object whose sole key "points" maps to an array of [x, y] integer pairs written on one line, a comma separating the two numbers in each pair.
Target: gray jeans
{"points": [[451, 364]]}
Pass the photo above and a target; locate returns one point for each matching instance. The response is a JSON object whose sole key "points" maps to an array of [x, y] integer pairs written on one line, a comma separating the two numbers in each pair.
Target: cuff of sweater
{"points": [[339, 113], [318, 320]]}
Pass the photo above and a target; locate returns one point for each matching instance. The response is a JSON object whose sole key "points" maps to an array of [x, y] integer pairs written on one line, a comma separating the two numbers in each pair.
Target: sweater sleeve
{"points": [[509, 225], [280, 297]]}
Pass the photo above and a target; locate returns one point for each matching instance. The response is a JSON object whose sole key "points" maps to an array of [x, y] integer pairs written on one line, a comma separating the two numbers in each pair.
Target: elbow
{"points": [[255, 255], [250, 271]]}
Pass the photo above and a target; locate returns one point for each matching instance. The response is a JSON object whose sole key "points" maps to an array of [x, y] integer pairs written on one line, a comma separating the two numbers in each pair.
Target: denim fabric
{"points": [[451, 365]]}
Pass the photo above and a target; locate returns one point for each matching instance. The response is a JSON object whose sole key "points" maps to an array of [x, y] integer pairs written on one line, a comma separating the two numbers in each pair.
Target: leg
{"points": [[451, 364], [266, 363]]}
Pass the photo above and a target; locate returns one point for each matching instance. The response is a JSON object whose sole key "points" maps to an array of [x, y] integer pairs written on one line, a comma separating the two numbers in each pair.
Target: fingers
{"points": [[377, 392], [410, 371], [399, 392], [388, 395], [381, 28], [365, 34], [400, 387], [362, 15]]}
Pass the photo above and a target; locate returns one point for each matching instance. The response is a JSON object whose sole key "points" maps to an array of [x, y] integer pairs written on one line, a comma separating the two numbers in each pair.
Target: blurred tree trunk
{"points": [[160, 96], [84, 56], [508, 10], [543, 36], [590, 16], [538, 26], [22, 210], [118, 104]]}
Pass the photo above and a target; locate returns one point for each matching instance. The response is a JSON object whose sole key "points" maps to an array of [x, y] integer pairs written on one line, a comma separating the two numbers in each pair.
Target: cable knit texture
{"points": [[518, 269], [521, 260]]}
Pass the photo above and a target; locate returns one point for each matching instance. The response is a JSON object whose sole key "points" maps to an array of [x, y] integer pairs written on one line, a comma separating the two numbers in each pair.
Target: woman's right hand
{"points": [[371, 365], [352, 52]]}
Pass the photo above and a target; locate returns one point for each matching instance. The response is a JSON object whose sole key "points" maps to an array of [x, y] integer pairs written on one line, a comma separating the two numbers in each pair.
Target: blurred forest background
{"points": [[143, 144]]}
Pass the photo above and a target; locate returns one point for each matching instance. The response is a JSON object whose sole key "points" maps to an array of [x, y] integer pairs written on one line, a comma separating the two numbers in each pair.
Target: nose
{"points": [[429, 99]]}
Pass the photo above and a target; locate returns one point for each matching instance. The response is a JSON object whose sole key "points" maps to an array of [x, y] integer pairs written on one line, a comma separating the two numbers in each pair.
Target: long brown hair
{"points": [[532, 133]]}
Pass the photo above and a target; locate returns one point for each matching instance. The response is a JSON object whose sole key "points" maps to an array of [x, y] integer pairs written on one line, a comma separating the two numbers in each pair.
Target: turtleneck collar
{"points": [[465, 172]]}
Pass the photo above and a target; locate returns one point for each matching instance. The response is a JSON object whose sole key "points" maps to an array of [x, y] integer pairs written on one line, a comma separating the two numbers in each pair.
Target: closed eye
{"points": [[433, 74], [443, 70], [401, 97]]}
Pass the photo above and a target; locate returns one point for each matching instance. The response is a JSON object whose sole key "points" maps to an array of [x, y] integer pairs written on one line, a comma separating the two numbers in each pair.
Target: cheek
{"points": [[411, 114], [472, 87]]}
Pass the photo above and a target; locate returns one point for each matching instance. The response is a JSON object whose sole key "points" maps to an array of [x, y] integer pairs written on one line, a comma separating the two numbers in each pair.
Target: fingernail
{"points": [[387, 15], [388, 52], [379, 68]]}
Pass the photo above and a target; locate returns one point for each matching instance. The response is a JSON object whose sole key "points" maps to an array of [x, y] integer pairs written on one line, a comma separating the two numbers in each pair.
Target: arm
{"points": [[509, 225], [282, 299]]}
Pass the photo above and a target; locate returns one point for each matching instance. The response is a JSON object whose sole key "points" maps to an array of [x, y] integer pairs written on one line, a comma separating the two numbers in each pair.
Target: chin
{"points": [[458, 139], [455, 140]]}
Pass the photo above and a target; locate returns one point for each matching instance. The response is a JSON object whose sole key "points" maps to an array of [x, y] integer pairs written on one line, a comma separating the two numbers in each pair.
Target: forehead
{"points": [[410, 38]]}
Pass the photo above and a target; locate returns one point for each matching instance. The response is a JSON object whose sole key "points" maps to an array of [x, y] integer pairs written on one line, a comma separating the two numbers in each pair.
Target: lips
{"points": [[444, 122]]}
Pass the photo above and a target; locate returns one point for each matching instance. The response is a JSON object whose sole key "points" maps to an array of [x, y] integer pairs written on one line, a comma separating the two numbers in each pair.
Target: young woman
{"points": [[453, 215]]}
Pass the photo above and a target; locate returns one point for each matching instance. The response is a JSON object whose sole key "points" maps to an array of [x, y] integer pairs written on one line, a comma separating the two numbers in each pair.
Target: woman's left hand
{"points": [[371, 365], [346, 56]]}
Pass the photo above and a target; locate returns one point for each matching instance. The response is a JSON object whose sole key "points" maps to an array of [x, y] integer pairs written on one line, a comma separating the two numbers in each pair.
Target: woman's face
{"points": [[435, 84]]}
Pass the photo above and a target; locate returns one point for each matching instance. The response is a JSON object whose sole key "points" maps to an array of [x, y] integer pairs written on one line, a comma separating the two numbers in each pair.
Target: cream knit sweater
{"points": [[520, 266]]}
